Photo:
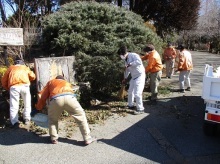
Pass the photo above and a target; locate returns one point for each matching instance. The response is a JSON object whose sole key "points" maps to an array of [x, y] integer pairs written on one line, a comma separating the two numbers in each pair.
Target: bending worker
{"points": [[61, 96], [17, 79]]}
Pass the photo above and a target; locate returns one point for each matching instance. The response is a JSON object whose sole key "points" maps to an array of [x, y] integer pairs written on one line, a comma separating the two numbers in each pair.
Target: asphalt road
{"points": [[170, 132]]}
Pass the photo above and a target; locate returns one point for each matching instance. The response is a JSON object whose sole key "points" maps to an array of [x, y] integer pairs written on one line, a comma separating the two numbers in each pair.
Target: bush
{"points": [[101, 72], [93, 32]]}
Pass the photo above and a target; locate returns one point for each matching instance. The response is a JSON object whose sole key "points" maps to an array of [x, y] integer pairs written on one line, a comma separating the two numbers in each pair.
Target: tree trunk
{"points": [[131, 5], [2, 14], [6, 56], [120, 3], [49, 6]]}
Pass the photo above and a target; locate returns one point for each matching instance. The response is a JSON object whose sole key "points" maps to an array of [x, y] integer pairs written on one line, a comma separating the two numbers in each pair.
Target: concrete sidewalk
{"points": [[170, 132]]}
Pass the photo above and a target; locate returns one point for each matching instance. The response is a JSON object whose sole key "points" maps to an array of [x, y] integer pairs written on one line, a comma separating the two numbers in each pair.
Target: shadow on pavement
{"points": [[172, 131], [22, 136]]}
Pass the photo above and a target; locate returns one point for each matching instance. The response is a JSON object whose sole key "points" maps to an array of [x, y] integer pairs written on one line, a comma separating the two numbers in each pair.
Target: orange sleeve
{"points": [[154, 62], [53, 87], [31, 74], [42, 97], [150, 64], [181, 62]]}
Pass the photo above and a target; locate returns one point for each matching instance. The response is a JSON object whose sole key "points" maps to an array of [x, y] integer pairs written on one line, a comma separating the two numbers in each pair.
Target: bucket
{"points": [[41, 120], [208, 70]]}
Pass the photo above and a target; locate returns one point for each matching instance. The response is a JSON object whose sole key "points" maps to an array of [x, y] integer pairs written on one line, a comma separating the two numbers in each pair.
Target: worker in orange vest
{"points": [[154, 69], [185, 67], [17, 80], [61, 97], [169, 57]]}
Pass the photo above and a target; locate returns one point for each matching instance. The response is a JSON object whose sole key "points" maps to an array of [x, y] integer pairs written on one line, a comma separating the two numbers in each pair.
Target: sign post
{"points": [[10, 37]]}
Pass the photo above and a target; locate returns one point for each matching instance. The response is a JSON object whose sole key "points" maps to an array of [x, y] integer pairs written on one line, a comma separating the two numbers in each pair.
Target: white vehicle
{"points": [[211, 96]]}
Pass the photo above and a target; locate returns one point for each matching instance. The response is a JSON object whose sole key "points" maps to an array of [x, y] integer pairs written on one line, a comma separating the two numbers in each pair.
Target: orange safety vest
{"points": [[52, 88], [154, 62], [17, 75], [185, 60]]}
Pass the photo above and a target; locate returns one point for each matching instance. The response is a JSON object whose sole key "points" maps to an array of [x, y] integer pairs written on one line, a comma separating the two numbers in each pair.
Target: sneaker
{"points": [[188, 89], [26, 121], [89, 141], [138, 112], [182, 91], [54, 141]]}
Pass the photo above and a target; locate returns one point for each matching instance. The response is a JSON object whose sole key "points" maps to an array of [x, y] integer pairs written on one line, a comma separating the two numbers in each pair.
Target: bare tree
{"points": [[3, 16]]}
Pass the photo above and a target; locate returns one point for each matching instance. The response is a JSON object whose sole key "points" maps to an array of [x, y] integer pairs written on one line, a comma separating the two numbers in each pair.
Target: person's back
{"points": [[184, 66], [53, 88], [60, 94], [17, 75], [154, 62], [185, 62], [137, 67], [17, 80]]}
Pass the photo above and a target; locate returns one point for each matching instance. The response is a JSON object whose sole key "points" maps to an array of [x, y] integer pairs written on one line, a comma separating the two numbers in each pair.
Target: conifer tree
{"points": [[93, 32]]}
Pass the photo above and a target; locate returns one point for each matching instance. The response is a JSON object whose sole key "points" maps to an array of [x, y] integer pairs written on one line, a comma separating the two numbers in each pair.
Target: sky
{"points": [[205, 4]]}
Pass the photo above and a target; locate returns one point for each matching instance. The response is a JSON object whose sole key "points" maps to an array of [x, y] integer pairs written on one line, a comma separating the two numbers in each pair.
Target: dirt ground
{"points": [[100, 112]]}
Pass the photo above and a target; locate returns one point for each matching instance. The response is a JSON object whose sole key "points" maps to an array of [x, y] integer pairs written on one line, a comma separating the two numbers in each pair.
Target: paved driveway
{"points": [[170, 132]]}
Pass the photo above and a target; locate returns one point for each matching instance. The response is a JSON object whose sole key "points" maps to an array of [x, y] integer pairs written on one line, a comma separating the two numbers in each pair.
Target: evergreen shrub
{"points": [[93, 32]]}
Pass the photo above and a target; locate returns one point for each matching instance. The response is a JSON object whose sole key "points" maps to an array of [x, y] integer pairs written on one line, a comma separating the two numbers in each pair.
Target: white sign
{"points": [[11, 36]]}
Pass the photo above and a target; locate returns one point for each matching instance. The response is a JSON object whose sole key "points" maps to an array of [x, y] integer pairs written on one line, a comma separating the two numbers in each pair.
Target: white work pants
{"points": [[136, 87], [184, 76], [15, 92]]}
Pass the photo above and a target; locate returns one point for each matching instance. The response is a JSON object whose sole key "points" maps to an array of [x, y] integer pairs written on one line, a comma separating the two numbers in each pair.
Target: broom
{"points": [[122, 92]]}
